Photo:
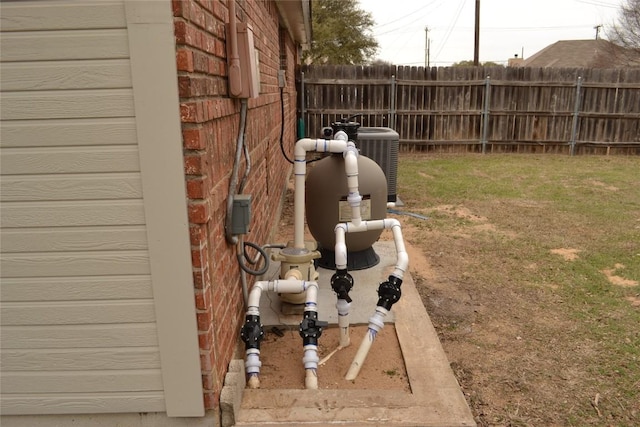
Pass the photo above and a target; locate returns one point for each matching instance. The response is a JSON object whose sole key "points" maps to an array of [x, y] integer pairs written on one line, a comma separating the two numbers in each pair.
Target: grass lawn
{"points": [[530, 272]]}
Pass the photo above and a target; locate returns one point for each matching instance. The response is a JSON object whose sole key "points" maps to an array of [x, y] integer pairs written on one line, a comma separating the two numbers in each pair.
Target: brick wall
{"points": [[210, 121]]}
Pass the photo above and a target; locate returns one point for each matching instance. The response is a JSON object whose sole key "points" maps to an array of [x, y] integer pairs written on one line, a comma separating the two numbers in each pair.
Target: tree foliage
{"points": [[626, 32], [341, 33], [482, 64]]}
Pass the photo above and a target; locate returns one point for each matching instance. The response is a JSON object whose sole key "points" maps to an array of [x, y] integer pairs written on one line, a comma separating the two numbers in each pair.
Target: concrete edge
{"points": [[231, 394]]}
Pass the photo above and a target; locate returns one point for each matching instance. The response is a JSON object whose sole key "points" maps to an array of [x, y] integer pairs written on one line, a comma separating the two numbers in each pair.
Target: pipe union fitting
{"points": [[310, 359], [252, 364], [354, 199]]}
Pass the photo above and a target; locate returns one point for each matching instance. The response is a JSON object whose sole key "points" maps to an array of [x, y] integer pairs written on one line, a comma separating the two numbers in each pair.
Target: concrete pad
{"points": [[435, 398], [364, 293]]}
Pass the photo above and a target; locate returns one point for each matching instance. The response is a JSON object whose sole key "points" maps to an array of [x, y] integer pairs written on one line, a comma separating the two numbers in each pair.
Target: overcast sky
{"points": [[507, 27]]}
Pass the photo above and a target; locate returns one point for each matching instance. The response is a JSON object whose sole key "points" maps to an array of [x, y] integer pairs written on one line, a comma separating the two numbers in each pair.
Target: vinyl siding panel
{"points": [[79, 331], [75, 104], [70, 187], [81, 403], [63, 15], [61, 75], [65, 45], [76, 288], [111, 380], [81, 133], [75, 336], [76, 160], [61, 239], [73, 213], [81, 359]]}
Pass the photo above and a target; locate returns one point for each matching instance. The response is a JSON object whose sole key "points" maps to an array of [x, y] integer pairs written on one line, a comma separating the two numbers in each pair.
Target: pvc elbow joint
{"points": [[389, 292], [341, 136], [351, 148]]}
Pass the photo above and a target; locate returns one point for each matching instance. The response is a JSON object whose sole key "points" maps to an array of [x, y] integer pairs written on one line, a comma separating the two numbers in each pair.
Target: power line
{"points": [[492, 29], [599, 3], [451, 27], [408, 14]]}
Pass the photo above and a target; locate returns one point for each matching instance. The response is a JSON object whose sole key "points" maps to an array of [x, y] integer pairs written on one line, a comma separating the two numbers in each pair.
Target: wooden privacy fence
{"points": [[481, 108]]}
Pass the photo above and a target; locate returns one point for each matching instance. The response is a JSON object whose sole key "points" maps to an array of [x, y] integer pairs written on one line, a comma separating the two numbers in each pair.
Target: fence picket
{"points": [[529, 109]]}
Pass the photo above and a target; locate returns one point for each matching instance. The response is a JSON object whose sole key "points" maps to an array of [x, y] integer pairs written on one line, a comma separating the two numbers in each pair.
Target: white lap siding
{"points": [[79, 330]]}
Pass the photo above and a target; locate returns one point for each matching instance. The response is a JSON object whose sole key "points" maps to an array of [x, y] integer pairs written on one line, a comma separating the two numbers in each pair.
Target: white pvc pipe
{"points": [[289, 286], [310, 361], [340, 248], [303, 145], [376, 323], [343, 322], [351, 169], [402, 262]]}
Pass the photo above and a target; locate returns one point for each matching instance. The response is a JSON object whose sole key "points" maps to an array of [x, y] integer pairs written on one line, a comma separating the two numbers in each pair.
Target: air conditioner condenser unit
{"points": [[381, 145]]}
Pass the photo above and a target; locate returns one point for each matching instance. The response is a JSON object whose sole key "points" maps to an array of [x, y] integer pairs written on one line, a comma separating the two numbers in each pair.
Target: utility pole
{"points": [[597, 28], [476, 46], [427, 47]]}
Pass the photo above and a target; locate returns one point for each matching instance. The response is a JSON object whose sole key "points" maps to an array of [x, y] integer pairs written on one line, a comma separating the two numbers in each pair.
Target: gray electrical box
{"points": [[241, 214]]}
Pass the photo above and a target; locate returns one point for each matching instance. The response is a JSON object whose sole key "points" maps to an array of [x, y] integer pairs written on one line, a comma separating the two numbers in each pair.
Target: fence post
{"points": [[576, 115], [301, 127], [485, 113], [392, 103]]}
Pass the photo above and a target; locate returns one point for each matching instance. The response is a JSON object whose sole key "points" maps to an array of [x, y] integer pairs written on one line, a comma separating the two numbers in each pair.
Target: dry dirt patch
{"points": [[567, 253], [618, 280], [383, 369]]}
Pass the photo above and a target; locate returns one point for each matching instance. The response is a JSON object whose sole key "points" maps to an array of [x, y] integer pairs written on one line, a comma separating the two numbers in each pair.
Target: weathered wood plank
{"points": [[76, 312], [82, 288], [68, 132], [70, 187], [80, 359], [63, 75], [56, 264], [526, 104], [82, 381], [61, 239], [81, 403], [66, 214], [79, 336], [64, 45], [64, 160], [67, 104]]}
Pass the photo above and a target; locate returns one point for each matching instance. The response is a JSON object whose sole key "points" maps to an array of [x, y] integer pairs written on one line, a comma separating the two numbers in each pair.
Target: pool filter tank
{"points": [[326, 203]]}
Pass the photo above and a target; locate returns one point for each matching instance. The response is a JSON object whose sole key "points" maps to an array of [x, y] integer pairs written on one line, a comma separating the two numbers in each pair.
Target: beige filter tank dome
{"points": [[326, 205]]}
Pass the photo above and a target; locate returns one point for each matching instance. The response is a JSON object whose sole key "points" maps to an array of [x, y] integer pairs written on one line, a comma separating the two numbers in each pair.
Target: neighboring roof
{"points": [[584, 54], [296, 15]]}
